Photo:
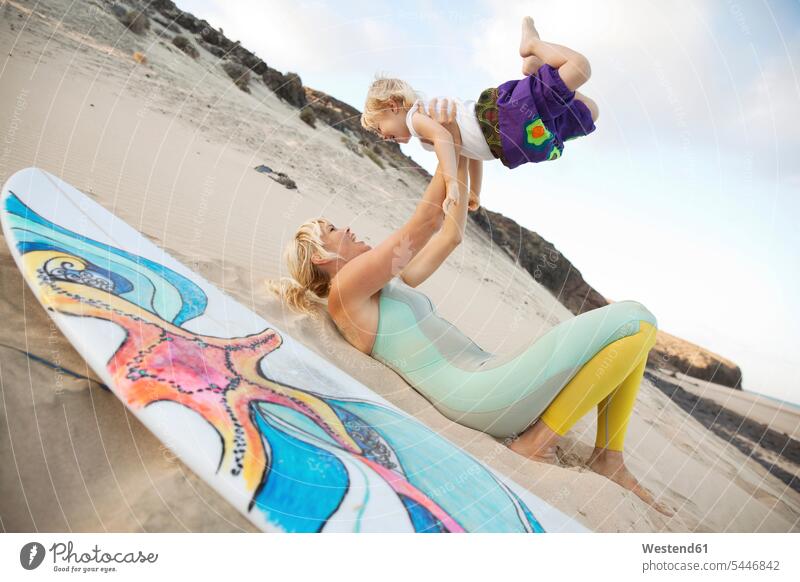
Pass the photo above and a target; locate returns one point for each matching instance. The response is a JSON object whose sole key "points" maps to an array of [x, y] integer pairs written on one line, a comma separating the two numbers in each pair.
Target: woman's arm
{"points": [[366, 274], [444, 242]]}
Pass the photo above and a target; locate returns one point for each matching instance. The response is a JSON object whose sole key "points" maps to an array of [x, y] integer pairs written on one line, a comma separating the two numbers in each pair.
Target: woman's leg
{"points": [[593, 383], [611, 381], [614, 367], [614, 411], [572, 66], [613, 414]]}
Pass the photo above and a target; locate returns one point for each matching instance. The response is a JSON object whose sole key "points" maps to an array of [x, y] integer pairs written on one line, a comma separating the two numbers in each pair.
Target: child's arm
{"points": [[445, 148], [475, 180]]}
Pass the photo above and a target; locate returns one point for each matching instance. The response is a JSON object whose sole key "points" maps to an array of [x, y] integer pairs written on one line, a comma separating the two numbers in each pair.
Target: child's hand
{"points": [[451, 196], [474, 201]]}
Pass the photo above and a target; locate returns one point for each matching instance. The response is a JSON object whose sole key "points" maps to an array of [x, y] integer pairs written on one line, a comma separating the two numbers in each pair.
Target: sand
{"points": [[170, 147]]}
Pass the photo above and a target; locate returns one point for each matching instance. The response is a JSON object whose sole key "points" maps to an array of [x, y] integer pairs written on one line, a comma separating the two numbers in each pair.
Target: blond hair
{"points": [[383, 93], [307, 287]]}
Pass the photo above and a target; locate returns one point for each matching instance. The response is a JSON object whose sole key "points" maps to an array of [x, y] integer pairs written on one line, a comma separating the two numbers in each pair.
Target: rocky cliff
{"points": [[550, 268]]}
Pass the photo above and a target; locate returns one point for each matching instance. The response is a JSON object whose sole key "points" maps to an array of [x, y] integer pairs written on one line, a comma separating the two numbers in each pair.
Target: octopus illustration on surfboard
{"points": [[290, 440]]}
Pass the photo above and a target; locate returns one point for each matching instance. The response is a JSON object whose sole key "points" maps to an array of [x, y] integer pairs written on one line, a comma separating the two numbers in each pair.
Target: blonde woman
{"points": [[529, 399]]}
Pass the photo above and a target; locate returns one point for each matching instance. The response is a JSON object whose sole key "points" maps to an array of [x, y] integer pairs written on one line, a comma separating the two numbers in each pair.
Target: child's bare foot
{"points": [[474, 202], [529, 33], [610, 465]]}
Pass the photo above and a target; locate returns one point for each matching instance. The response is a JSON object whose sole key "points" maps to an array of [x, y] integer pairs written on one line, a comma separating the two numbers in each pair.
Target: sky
{"points": [[686, 198]]}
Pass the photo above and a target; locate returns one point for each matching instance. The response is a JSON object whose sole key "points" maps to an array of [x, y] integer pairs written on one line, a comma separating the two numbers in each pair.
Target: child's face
{"points": [[392, 125]]}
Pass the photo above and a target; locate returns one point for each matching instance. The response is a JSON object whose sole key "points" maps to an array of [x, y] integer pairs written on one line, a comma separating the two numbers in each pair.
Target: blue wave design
{"points": [[120, 284], [456, 482], [423, 520], [152, 286], [462, 486], [304, 484]]}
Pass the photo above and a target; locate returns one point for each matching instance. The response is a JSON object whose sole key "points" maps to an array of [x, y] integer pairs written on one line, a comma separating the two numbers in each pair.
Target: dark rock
{"points": [[189, 22], [186, 46], [164, 6], [211, 36], [542, 260], [678, 355], [283, 179], [279, 177], [171, 26], [307, 116], [118, 11], [288, 87], [248, 59], [214, 50], [239, 74], [137, 22], [293, 90], [353, 147]]}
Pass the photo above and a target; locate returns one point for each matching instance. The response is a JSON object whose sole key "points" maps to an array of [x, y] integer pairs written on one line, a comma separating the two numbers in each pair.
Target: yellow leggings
{"points": [[609, 380]]}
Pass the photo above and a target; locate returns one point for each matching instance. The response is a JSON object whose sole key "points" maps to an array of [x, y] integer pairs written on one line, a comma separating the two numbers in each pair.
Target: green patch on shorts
{"points": [[488, 119]]}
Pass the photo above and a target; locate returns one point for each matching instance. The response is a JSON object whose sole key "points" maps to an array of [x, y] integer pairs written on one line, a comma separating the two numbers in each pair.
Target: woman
{"points": [[529, 399]]}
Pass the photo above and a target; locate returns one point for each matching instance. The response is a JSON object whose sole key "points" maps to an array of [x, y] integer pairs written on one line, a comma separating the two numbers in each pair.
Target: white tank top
{"points": [[473, 144]]}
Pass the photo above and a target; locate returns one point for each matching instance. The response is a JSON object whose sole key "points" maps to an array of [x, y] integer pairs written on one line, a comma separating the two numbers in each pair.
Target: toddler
{"points": [[525, 120]]}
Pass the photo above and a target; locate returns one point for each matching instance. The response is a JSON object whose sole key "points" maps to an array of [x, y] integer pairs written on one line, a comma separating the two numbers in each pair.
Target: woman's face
{"points": [[342, 241]]}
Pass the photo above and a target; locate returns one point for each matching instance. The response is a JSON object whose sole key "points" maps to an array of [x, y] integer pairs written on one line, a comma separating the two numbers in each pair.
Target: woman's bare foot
{"points": [[611, 465], [537, 443], [529, 33]]}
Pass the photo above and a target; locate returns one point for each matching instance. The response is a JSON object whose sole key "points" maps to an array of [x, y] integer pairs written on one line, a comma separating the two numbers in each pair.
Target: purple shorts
{"points": [[536, 115]]}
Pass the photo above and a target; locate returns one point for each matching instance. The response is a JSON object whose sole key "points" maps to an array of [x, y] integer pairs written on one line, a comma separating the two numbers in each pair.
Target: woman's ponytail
{"points": [[308, 286]]}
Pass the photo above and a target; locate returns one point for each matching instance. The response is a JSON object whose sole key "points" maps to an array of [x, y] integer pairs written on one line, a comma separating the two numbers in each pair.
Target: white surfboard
{"points": [[290, 440]]}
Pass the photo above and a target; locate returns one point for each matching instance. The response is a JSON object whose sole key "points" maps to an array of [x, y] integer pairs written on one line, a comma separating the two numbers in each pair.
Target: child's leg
{"points": [[530, 64], [572, 66], [589, 103]]}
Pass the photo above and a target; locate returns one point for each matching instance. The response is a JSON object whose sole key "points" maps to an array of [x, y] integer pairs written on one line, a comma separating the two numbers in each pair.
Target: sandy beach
{"points": [[170, 145]]}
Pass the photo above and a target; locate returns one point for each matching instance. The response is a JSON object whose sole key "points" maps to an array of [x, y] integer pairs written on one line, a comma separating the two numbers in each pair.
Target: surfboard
{"points": [[290, 440]]}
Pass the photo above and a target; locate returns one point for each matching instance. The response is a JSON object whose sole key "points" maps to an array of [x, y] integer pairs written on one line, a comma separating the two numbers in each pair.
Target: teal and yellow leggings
{"points": [[610, 381], [594, 359]]}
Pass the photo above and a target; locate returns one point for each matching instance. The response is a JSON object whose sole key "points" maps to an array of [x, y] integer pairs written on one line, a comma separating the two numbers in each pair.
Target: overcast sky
{"points": [[686, 198]]}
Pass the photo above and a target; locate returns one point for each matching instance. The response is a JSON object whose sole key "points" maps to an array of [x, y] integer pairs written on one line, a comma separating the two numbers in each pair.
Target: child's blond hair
{"points": [[384, 92]]}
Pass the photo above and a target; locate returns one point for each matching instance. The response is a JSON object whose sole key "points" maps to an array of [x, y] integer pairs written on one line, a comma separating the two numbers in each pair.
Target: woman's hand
{"points": [[445, 241], [445, 115]]}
